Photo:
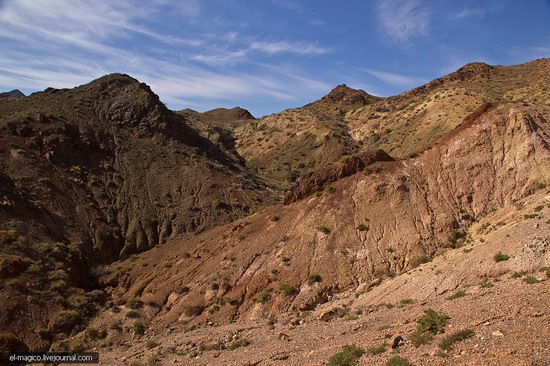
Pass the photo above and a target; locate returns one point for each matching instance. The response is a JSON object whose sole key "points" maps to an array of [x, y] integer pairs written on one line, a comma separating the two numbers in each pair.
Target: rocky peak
{"points": [[14, 94], [224, 114], [342, 99]]}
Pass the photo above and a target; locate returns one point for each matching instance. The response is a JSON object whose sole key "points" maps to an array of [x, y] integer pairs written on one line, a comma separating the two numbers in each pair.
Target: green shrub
{"points": [[406, 302], [530, 280], [134, 303], [331, 189], [377, 349], [193, 310], [274, 218], [288, 290], [447, 343], [325, 230], [139, 328], [362, 227], [154, 361], [457, 295], [313, 278], [500, 257], [397, 361], [132, 314], [419, 338], [151, 344], [432, 322], [265, 295], [58, 285], [517, 274], [349, 356], [487, 285]]}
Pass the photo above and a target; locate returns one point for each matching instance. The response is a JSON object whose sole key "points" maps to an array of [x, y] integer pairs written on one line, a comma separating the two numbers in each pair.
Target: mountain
{"points": [[14, 94], [95, 174], [146, 233]]}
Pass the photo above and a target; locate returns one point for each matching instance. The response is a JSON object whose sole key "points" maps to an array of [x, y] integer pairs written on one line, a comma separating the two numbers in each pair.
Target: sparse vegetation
{"points": [[151, 344], [487, 285], [139, 328], [313, 278], [419, 338], [447, 343], [134, 303], [193, 310], [132, 314], [362, 227], [288, 290], [325, 230], [376, 350], [406, 302], [501, 257], [530, 280], [265, 295], [331, 189], [432, 322], [349, 356], [457, 295], [396, 360]]}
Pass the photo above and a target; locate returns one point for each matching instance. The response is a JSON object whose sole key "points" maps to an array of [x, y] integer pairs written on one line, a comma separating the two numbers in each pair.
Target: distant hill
{"points": [[14, 94]]}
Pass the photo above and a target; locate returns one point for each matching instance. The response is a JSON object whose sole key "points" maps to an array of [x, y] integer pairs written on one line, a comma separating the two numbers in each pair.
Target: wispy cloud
{"points": [[62, 43], [402, 81], [403, 20], [302, 48], [469, 13]]}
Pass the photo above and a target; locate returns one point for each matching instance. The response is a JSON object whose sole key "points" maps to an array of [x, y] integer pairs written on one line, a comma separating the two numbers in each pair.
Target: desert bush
{"points": [[349, 356], [134, 303], [151, 344], [324, 229], [139, 328], [132, 314], [376, 350], [313, 278], [362, 227], [193, 310], [447, 343], [419, 338], [432, 322], [288, 290], [500, 257], [457, 295], [265, 295], [530, 280], [406, 302], [398, 361]]}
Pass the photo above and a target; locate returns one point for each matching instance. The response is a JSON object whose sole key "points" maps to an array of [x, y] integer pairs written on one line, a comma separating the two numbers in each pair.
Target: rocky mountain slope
{"points": [[94, 174], [122, 220]]}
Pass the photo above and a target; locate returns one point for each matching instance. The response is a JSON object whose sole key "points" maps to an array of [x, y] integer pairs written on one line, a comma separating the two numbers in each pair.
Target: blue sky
{"points": [[263, 55]]}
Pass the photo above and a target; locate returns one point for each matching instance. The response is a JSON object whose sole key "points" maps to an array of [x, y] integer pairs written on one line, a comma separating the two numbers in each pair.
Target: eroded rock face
{"points": [[106, 165], [369, 227], [317, 181]]}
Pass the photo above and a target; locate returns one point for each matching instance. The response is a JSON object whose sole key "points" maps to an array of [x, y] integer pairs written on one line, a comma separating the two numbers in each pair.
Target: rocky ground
{"points": [[503, 301]]}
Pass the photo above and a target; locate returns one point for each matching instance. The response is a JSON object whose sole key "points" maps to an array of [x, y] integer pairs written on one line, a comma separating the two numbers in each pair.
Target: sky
{"points": [[262, 55]]}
